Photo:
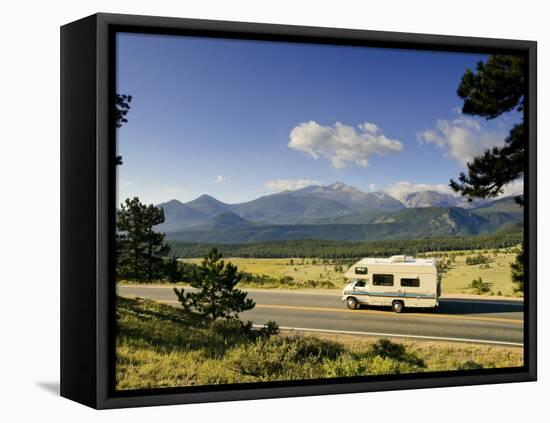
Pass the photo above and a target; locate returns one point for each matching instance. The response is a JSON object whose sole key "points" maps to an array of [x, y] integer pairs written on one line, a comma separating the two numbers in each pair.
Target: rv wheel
{"points": [[398, 306], [352, 303]]}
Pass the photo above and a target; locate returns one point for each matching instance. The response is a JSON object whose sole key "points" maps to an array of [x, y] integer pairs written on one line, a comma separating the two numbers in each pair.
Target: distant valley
{"points": [[333, 212]]}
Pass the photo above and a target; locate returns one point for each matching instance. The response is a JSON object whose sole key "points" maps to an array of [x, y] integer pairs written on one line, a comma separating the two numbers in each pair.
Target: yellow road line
{"points": [[376, 312], [329, 292], [435, 316]]}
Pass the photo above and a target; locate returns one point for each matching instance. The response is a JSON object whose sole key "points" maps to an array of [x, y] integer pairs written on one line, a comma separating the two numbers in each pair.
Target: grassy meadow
{"points": [[300, 270], [160, 346], [496, 272], [316, 273]]}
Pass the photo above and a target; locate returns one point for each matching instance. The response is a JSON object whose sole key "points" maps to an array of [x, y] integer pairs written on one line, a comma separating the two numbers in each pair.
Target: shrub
{"points": [[261, 359], [383, 366], [269, 358], [384, 348], [470, 365], [479, 286], [269, 329], [287, 280], [477, 259], [344, 365], [230, 327], [266, 281], [316, 348]]}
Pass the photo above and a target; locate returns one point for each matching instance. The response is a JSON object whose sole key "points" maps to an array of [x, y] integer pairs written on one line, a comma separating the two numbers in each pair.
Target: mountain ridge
{"points": [[406, 224], [324, 211]]}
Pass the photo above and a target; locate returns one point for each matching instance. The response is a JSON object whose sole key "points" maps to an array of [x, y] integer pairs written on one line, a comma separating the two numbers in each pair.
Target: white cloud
{"points": [[220, 179], [341, 144], [400, 189], [290, 184], [372, 187], [462, 138], [513, 188]]}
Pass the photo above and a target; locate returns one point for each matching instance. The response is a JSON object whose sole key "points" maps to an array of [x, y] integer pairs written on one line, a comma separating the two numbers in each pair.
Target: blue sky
{"points": [[239, 119]]}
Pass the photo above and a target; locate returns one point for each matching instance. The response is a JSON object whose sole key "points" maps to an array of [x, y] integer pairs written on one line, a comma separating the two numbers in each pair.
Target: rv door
{"points": [[412, 289], [360, 290], [383, 288]]}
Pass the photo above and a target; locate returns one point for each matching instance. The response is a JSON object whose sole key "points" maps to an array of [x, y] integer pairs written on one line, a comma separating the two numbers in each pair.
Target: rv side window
{"points": [[360, 284], [361, 271], [382, 280], [415, 283]]}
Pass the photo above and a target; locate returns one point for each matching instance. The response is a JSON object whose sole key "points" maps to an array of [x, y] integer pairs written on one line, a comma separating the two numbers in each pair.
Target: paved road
{"points": [[482, 321]]}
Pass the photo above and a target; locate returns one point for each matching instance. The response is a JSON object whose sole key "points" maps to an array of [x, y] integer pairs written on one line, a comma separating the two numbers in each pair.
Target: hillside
{"points": [[405, 224], [507, 205], [180, 215], [290, 207]]}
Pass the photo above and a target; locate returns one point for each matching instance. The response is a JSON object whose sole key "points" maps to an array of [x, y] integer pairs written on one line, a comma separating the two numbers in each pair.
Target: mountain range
{"points": [[336, 211]]}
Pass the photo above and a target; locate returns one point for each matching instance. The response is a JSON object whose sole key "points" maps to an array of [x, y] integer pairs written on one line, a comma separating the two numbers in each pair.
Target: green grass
{"points": [[160, 346]]}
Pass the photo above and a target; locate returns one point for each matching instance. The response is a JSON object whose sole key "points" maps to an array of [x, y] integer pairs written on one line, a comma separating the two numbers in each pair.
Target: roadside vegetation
{"points": [[162, 346]]}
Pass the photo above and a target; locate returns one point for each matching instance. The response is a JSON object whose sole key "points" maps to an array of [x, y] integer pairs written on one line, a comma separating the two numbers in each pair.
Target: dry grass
{"points": [[440, 355], [455, 281], [497, 273], [159, 346], [279, 268]]}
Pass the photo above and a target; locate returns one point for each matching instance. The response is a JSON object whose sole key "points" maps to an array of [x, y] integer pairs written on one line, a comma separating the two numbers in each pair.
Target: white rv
{"points": [[398, 281]]}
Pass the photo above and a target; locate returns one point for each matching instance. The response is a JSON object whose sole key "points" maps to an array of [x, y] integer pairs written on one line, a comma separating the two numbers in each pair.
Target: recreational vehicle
{"points": [[398, 281]]}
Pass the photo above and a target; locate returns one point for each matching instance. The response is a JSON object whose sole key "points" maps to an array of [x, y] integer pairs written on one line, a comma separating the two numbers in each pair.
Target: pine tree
{"points": [[517, 271], [121, 109], [173, 270], [140, 250], [216, 296], [496, 87]]}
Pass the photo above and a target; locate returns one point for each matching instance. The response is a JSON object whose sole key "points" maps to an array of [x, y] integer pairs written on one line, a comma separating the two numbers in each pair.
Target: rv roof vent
{"points": [[397, 259]]}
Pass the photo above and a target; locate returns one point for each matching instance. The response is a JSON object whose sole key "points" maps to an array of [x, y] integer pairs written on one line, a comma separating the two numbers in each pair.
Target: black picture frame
{"points": [[88, 210]]}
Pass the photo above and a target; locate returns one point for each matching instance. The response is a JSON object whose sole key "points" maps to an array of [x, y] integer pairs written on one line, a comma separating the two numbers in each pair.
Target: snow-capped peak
{"points": [[340, 186]]}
